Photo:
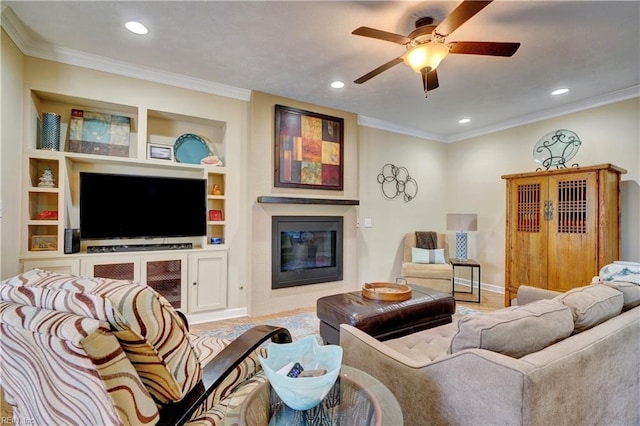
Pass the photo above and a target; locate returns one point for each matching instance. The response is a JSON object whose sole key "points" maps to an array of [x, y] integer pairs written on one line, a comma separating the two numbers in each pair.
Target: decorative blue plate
{"points": [[190, 149]]}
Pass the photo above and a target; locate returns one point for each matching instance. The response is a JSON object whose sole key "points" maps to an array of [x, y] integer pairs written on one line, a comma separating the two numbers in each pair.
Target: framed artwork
{"points": [[309, 149], [99, 133], [159, 152], [44, 243]]}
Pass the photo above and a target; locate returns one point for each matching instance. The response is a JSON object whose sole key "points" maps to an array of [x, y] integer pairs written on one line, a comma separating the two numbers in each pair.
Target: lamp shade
{"points": [[462, 222], [426, 55]]}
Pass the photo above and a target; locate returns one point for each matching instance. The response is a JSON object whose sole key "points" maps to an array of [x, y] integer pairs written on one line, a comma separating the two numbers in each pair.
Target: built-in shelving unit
{"points": [[148, 126], [193, 280], [42, 206]]}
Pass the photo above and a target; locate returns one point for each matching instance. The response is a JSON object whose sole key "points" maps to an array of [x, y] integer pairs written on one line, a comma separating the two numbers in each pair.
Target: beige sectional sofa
{"points": [[571, 358]]}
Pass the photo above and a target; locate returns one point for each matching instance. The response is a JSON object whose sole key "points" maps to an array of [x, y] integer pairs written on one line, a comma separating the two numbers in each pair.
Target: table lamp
{"points": [[461, 223]]}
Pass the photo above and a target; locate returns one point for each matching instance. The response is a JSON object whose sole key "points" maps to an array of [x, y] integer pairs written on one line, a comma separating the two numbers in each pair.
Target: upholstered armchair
{"points": [[100, 351], [432, 269]]}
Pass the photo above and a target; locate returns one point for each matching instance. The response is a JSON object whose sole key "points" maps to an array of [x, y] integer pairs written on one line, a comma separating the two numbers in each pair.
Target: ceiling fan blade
{"points": [[460, 15], [379, 70], [488, 48], [429, 81], [381, 35]]}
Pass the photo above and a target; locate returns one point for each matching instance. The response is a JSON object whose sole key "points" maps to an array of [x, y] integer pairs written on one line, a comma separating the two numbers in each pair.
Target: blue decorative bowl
{"points": [[302, 393]]}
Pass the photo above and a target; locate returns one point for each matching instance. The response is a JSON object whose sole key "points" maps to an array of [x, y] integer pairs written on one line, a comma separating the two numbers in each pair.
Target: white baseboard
{"points": [[198, 318], [483, 286]]}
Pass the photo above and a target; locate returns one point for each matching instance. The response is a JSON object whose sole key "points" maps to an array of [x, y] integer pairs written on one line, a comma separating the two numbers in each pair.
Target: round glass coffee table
{"points": [[357, 399]]}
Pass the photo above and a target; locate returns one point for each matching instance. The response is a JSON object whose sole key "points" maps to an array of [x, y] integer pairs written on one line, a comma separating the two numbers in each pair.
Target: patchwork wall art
{"points": [[309, 149]]}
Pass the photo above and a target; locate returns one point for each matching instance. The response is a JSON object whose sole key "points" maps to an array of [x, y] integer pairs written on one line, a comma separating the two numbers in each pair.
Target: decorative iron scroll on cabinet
{"points": [[395, 181], [556, 149]]}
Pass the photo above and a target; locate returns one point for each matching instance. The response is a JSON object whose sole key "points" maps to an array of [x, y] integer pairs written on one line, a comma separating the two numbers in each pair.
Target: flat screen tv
{"points": [[128, 206]]}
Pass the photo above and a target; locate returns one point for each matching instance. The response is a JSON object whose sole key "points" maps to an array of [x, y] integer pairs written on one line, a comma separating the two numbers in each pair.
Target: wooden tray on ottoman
{"points": [[389, 292]]}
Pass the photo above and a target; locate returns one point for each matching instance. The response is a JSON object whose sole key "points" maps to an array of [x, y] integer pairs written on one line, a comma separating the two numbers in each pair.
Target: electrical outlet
{"points": [[367, 222]]}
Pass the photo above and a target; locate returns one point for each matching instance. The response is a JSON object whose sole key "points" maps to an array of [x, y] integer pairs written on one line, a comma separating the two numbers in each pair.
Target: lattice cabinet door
{"points": [[526, 260], [573, 234], [167, 274], [115, 267]]}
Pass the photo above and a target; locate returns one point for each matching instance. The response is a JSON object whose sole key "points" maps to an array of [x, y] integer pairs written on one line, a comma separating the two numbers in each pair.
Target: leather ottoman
{"points": [[427, 308]]}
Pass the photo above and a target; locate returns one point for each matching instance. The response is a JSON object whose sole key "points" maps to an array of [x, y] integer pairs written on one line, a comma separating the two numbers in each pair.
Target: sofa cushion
{"points": [[419, 255], [515, 331], [409, 241], [53, 360], [152, 335], [442, 271], [425, 346], [591, 305], [630, 293]]}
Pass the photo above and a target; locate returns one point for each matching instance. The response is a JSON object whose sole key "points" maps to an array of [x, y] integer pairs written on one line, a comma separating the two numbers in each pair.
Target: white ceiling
{"points": [[295, 49]]}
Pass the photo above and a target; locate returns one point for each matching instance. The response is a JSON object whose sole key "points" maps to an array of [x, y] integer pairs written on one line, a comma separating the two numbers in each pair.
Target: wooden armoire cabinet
{"points": [[562, 226]]}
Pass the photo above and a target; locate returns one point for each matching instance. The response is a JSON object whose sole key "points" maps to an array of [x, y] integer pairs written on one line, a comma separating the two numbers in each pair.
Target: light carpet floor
{"points": [[299, 325]]}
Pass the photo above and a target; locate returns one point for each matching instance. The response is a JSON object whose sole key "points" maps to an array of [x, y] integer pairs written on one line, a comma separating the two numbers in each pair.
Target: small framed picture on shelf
{"points": [[159, 152], [44, 243], [215, 215]]}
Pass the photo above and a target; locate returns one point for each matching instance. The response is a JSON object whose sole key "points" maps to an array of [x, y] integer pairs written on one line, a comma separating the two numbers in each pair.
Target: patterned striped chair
{"points": [[100, 351]]}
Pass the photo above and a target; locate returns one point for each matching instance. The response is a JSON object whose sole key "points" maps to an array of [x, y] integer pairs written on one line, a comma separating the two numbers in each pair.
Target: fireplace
{"points": [[305, 250]]}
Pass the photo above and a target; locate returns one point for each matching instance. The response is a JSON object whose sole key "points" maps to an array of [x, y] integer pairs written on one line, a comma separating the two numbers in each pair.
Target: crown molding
{"points": [[18, 34], [12, 26], [582, 105], [395, 128]]}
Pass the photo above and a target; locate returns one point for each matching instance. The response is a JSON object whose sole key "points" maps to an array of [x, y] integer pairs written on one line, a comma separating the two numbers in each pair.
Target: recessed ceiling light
{"points": [[136, 27], [464, 120], [561, 91], [337, 84]]}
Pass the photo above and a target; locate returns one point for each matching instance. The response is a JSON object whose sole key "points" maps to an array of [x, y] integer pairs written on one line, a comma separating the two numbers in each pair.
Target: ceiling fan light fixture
{"points": [[427, 55]]}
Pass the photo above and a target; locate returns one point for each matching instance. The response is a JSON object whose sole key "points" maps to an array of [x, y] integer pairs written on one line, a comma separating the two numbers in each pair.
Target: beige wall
{"points": [[10, 155], [380, 246], [259, 169], [609, 134]]}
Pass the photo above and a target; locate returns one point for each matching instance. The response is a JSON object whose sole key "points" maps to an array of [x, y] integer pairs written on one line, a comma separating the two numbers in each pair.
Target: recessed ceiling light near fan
{"points": [[426, 45]]}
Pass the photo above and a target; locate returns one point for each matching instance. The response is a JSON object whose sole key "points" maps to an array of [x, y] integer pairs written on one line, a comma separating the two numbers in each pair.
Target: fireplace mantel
{"points": [[301, 200]]}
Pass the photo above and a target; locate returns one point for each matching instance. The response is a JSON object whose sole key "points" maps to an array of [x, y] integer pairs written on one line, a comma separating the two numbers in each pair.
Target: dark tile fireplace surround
{"points": [[306, 250]]}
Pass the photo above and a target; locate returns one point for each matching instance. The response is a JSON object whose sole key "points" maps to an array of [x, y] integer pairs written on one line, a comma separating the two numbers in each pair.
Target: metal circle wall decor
{"points": [[556, 148], [396, 181]]}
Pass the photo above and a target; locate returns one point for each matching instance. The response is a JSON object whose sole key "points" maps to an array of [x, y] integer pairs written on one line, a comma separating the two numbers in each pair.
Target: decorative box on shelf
{"points": [[44, 243], [99, 133]]}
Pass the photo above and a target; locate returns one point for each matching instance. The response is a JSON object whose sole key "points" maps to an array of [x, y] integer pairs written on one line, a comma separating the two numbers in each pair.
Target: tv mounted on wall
{"points": [[129, 206]]}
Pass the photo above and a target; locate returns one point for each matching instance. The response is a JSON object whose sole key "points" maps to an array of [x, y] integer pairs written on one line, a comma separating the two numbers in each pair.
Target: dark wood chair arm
{"points": [[218, 369]]}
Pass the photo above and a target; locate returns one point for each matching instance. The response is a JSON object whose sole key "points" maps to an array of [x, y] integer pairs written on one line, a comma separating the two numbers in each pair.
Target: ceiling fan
{"points": [[426, 45]]}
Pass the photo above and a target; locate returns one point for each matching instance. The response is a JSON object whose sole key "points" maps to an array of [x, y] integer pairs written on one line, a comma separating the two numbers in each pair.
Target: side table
{"points": [[466, 263], [342, 406]]}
